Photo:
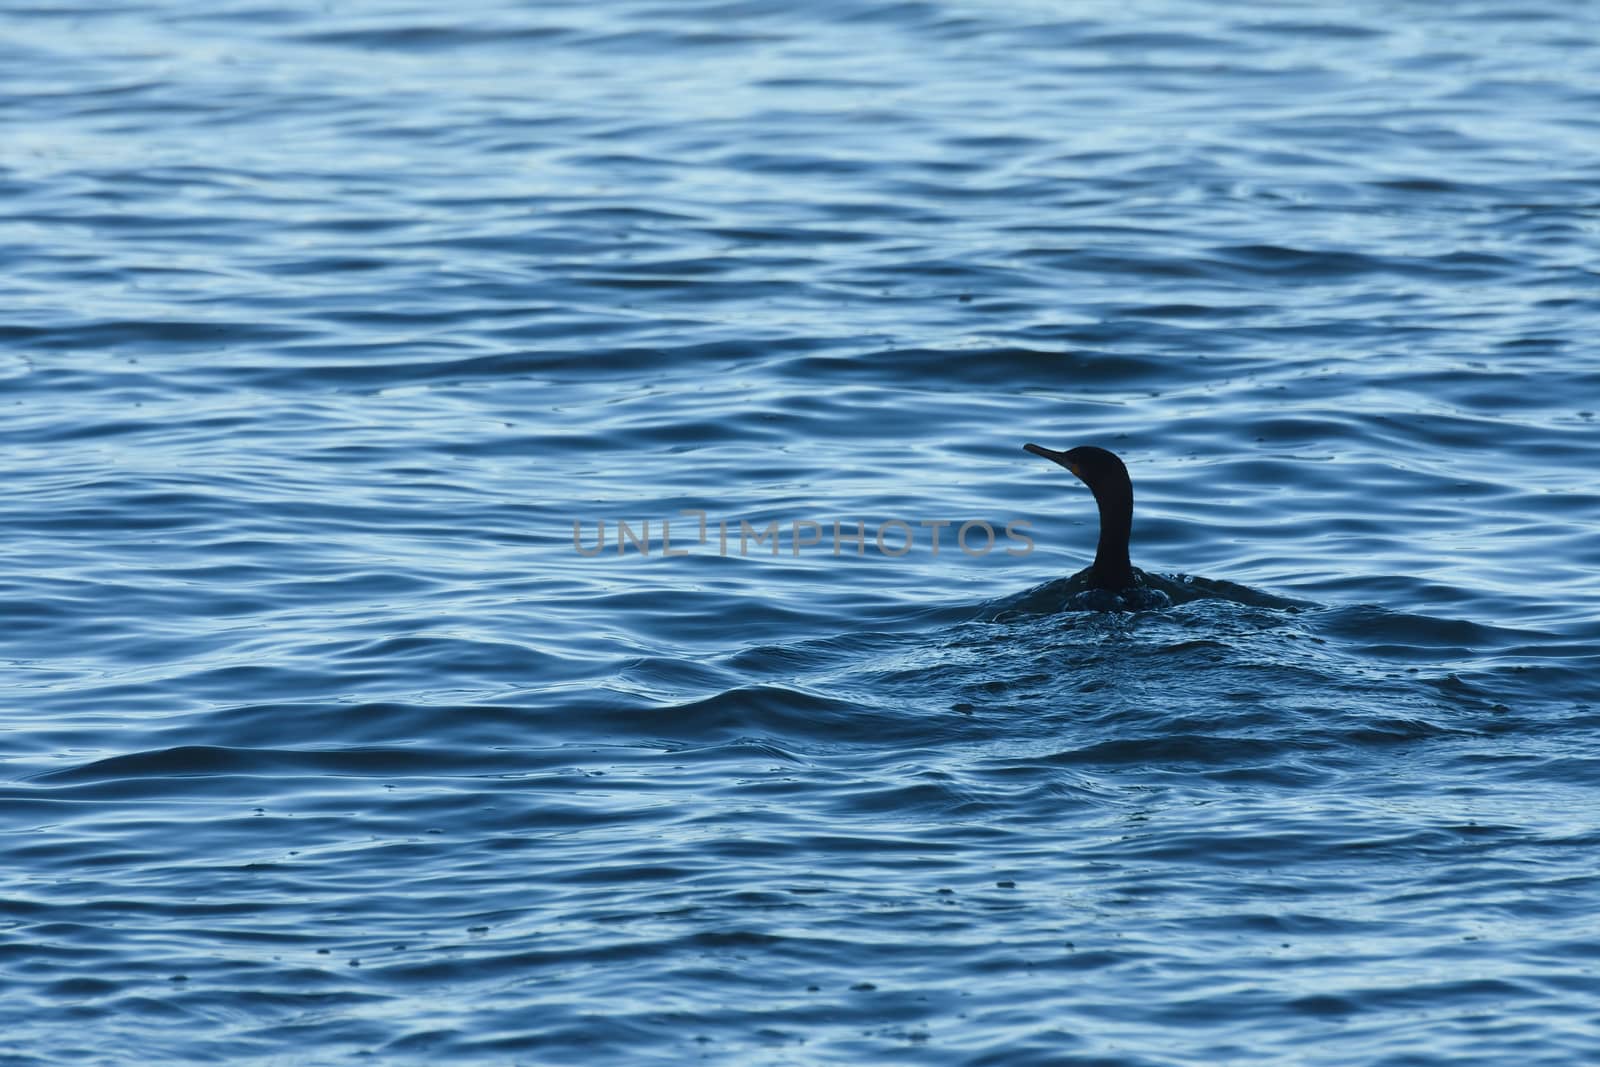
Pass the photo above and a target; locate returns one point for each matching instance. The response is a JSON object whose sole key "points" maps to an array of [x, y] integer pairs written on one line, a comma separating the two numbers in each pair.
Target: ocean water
{"points": [[324, 739]]}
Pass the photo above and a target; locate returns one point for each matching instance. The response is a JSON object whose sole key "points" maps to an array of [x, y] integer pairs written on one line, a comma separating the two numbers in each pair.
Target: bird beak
{"points": [[1053, 456]]}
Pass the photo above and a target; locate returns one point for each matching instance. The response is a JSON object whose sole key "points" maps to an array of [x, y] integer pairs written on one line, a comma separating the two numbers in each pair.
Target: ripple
{"points": [[325, 327]]}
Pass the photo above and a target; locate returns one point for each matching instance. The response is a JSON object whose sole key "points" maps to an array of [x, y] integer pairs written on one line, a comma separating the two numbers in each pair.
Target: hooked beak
{"points": [[1053, 456]]}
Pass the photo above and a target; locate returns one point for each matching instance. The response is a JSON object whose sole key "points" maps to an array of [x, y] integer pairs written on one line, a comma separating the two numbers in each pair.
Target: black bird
{"points": [[1108, 480]]}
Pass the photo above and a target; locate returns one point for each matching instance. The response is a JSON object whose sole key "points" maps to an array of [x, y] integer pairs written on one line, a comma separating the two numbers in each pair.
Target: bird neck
{"points": [[1112, 568]]}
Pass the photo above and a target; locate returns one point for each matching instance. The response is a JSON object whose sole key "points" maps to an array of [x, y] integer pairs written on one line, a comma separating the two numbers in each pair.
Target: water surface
{"points": [[324, 325]]}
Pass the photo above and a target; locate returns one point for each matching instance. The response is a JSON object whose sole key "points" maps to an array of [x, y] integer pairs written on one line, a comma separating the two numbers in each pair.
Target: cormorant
{"points": [[1108, 480]]}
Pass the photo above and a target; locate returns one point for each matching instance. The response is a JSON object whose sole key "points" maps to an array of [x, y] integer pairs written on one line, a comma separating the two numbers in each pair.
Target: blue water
{"points": [[322, 324]]}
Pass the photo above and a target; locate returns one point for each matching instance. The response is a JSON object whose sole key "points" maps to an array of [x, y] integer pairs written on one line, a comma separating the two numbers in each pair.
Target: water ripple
{"points": [[324, 327]]}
